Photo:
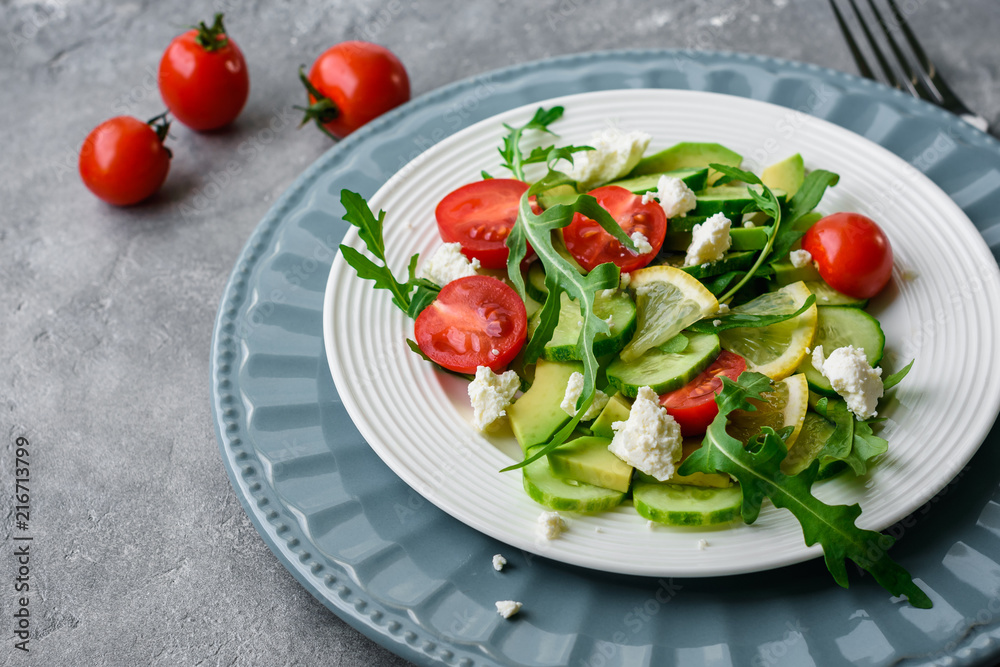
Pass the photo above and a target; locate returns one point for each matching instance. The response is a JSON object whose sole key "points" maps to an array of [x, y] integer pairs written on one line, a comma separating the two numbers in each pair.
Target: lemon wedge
{"points": [[785, 405], [778, 349], [668, 300]]}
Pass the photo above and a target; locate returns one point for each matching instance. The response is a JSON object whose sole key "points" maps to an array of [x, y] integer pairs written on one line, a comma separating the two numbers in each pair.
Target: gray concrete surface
{"points": [[142, 554]]}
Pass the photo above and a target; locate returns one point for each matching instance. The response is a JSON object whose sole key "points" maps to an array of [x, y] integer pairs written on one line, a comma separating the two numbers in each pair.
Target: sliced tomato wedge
{"points": [[480, 216], [590, 245], [475, 321], [693, 405]]}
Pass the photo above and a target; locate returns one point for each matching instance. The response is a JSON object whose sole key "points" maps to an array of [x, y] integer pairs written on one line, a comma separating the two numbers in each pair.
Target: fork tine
{"points": [[929, 75], [887, 72], [859, 58], [903, 70]]}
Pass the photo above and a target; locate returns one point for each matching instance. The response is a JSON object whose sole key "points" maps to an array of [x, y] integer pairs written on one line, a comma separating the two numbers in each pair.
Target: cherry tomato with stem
{"points": [[591, 245], [480, 216], [350, 84], [851, 252], [203, 77], [124, 161], [693, 405], [475, 321]]}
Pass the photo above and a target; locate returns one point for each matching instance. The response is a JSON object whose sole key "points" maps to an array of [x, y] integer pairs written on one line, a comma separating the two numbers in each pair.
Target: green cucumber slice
{"points": [[563, 344], [682, 505], [545, 488], [693, 178], [664, 371], [685, 223], [742, 238], [837, 326], [535, 284], [827, 296], [730, 200]]}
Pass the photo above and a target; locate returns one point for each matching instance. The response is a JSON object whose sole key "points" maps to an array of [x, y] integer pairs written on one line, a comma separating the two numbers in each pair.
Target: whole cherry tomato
{"points": [[350, 84], [851, 252], [123, 160], [203, 77]]}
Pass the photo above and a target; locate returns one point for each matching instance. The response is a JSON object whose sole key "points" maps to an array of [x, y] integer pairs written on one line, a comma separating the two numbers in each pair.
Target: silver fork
{"points": [[914, 73]]}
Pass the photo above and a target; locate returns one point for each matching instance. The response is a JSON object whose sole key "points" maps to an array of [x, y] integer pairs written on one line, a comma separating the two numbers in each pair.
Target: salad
{"points": [[666, 328]]}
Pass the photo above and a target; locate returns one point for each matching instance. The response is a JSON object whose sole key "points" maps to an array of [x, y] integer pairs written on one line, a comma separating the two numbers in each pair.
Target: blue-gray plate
{"points": [[419, 582]]}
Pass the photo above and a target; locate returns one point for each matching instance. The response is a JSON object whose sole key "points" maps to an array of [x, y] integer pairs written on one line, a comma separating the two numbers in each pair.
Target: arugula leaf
{"points": [[894, 379], [766, 202], [718, 284], [370, 230], [802, 203], [420, 353], [736, 320], [511, 151], [852, 441], [759, 474]]}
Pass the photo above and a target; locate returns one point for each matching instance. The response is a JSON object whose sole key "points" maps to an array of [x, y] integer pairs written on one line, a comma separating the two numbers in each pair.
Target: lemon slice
{"points": [[668, 300], [776, 350], [785, 405]]}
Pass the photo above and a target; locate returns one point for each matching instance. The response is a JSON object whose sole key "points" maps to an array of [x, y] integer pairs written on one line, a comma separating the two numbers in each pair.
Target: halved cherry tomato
{"points": [[693, 405], [851, 252], [480, 216], [203, 77], [590, 245], [475, 321]]}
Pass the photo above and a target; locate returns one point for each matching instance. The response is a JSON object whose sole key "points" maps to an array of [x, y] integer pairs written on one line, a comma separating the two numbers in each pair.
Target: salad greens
{"points": [[758, 471]]}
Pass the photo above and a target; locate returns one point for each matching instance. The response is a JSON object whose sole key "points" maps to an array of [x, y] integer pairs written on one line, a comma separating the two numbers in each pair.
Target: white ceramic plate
{"points": [[942, 308]]}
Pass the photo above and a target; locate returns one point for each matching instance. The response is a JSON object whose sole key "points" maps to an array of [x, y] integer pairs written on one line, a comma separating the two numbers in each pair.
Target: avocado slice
{"points": [[695, 179], [786, 274], [588, 460], [687, 155], [617, 410], [786, 175], [537, 415]]}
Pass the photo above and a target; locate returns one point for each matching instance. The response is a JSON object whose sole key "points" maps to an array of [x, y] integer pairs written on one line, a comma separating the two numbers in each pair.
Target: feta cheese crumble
{"points": [[702, 543], [852, 377], [491, 395], [674, 195], [573, 390], [615, 154], [650, 440], [447, 264], [508, 608], [550, 525], [800, 258], [723, 309], [709, 241], [498, 562], [716, 323], [641, 243]]}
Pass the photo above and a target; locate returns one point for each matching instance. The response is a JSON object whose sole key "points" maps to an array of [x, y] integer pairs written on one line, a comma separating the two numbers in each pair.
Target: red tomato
{"points": [[123, 160], [351, 83], [590, 245], [475, 321], [693, 405], [480, 216], [203, 77], [852, 254]]}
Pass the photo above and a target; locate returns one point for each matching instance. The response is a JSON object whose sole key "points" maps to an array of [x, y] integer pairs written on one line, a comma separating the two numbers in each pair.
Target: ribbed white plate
{"points": [[942, 308]]}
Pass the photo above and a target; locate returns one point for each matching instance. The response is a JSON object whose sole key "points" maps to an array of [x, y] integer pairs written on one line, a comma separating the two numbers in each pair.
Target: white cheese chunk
{"points": [[674, 195], [447, 264], [800, 258], [508, 608], [573, 390], [650, 440], [702, 543], [491, 395], [852, 377], [709, 241], [498, 562], [550, 525], [615, 154], [641, 243]]}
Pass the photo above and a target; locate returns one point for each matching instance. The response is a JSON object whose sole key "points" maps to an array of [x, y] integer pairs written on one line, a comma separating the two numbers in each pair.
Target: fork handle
{"points": [[976, 121]]}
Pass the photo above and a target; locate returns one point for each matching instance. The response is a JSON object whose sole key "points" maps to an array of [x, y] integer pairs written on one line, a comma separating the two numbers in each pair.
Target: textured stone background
{"points": [[143, 554]]}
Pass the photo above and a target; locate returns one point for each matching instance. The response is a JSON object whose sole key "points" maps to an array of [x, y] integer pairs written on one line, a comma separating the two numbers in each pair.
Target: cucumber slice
{"points": [[743, 238], [664, 371], [535, 284], [680, 505], [693, 178], [827, 296], [685, 223], [557, 493], [730, 200], [837, 326], [563, 344]]}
